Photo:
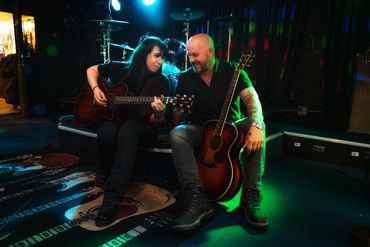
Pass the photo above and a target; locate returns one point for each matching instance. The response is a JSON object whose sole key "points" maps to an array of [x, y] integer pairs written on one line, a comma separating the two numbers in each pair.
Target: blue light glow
{"points": [[148, 2], [116, 5]]}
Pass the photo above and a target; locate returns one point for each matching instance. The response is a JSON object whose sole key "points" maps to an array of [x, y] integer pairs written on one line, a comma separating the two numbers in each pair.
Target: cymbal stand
{"points": [[186, 31], [105, 47], [230, 33], [124, 53]]}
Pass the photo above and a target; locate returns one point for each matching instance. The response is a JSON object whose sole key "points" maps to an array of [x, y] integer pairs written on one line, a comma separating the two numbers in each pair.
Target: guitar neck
{"points": [[136, 100], [243, 61], [226, 106]]}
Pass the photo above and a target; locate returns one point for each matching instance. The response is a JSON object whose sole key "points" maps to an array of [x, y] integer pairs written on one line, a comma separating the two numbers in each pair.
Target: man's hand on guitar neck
{"points": [[99, 97], [254, 139]]}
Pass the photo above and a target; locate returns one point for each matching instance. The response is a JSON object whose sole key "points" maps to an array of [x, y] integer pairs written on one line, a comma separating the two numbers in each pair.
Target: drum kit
{"points": [[175, 48]]}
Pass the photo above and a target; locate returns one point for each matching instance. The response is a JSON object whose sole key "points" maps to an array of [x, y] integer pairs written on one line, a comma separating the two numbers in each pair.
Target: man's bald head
{"points": [[203, 40], [201, 53]]}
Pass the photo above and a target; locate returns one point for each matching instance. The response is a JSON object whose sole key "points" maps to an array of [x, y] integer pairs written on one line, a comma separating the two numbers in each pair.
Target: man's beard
{"points": [[200, 68]]}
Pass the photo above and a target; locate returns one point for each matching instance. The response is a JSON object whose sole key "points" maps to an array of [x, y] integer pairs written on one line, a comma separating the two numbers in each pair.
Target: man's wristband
{"points": [[94, 87], [257, 125]]}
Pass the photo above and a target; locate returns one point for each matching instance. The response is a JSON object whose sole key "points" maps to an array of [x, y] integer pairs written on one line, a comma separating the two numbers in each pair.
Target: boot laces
{"points": [[254, 199], [193, 199]]}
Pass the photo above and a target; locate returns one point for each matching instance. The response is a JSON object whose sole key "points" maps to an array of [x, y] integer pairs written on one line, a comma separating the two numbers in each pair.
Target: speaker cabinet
{"points": [[360, 113]]}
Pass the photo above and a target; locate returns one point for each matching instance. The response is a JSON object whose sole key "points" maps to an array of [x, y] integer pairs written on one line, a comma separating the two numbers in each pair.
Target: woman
{"points": [[118, 142]]}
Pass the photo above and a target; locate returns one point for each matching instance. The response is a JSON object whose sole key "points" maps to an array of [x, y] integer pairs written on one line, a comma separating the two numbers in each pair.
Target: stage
{"points": [[309, 203]]}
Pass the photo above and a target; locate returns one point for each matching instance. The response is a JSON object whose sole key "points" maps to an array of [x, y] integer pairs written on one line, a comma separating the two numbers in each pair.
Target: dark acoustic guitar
{"points": [[87, 112], [217, 158]]}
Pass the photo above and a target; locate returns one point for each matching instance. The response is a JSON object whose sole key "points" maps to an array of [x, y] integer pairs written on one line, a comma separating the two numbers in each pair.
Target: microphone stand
{"points": [[230, 32]]}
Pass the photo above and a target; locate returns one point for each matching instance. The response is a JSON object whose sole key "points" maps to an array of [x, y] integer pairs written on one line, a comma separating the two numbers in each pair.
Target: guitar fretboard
{"points": [[137, 100]]}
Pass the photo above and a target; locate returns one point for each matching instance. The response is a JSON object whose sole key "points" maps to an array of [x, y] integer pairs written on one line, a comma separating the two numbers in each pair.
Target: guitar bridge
{"points": [[209, 164]]}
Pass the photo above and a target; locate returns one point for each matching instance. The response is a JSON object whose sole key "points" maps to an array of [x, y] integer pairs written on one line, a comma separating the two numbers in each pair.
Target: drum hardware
{"points": [[110, 21], [125, 48], [174, 49], [187, 15], [106, 29], [169, 69]]}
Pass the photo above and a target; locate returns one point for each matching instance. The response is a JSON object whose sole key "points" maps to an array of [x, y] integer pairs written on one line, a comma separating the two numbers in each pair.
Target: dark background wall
{"points": [[305, 50]]}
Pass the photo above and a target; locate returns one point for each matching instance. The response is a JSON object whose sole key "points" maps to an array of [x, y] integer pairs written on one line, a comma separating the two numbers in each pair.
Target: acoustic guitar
{"points": [[217, 157], [87, 112], [140, 198]]}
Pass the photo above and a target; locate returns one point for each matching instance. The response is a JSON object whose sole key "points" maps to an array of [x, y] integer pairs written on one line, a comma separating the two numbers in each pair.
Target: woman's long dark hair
{"points": [[138, 68]]}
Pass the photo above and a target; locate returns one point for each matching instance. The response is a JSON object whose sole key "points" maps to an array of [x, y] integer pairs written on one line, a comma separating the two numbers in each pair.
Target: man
{"points": [[209, 80]]}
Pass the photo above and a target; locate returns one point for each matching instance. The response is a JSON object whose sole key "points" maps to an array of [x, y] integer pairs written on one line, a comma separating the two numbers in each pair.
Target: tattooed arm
{"points": [[250, 99], [255, 136]]}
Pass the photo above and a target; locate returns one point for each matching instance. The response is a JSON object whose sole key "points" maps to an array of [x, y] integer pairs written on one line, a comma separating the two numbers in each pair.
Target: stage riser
{"points": [[328, 150], [76, 143]]}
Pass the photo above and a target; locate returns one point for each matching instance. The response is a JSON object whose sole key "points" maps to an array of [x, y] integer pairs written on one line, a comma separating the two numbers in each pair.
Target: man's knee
{"points": [[177, 133]]}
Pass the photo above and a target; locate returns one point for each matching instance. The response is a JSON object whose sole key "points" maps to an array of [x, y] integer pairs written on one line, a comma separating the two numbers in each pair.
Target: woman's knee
{"points": [[108, 131]]}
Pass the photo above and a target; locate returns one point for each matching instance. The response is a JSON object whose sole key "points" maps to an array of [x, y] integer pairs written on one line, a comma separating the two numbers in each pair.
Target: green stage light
{"points": [[52, 50]]}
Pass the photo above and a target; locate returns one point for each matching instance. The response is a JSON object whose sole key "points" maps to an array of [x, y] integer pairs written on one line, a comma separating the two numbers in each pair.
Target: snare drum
{"points": [[175, 52]]}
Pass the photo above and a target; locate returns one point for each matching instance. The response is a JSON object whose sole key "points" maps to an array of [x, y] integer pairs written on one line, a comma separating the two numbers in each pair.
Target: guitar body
{"points": [[218, 165], [86, 112], [140, 198]]}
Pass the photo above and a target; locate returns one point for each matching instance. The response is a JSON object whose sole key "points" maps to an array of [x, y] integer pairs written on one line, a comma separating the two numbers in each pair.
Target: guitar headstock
{"points": [[246, 59], [182, 103]]}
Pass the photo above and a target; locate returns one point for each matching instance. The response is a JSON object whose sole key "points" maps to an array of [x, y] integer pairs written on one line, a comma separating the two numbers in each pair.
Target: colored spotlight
{"points": [[116, 5], [148, 2]]}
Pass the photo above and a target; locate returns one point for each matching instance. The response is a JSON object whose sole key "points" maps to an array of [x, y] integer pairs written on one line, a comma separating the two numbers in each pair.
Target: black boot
{"points": [[197, 209], [251, 203], [106, 214]]}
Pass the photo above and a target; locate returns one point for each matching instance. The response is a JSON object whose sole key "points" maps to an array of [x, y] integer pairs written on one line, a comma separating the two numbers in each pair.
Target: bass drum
{"points": [[175, 52]]}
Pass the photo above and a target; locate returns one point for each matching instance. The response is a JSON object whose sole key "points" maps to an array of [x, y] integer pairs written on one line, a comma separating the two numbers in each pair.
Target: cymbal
{"points": [[123, 46], [187, 15], [98, 28], [110, 21]]}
